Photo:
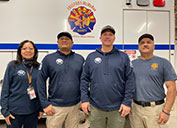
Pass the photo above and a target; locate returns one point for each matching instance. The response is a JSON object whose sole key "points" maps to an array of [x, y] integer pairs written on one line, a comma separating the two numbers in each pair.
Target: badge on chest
{"points": [[31, 92]]}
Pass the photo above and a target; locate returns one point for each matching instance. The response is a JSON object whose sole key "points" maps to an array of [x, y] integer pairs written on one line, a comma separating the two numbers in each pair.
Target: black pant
{"points": [[27, 121]]}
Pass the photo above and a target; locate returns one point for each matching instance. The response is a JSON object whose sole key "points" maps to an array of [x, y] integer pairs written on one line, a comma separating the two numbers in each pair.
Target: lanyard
{"points": [[29, 74]]}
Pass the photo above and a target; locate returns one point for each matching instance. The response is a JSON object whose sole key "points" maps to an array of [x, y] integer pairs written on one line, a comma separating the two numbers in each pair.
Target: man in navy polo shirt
{"points": [[108, 74], [63, 68]]}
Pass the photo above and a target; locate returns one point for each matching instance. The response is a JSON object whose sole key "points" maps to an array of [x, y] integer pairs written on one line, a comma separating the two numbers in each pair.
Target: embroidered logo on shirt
{"points": [[59, 61], [21, 73], [154, 66], [98, 60]]}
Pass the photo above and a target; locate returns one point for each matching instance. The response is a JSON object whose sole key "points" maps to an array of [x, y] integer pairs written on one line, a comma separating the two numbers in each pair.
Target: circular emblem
{"points": [[21, 72], [81, 20], [98, 60], [59, 61]]}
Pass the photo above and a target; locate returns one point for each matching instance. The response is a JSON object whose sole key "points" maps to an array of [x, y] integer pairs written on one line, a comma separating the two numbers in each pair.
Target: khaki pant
{"points": [[83, 120], [145, 117], [69, 115], [102, 119], [127, 122]]}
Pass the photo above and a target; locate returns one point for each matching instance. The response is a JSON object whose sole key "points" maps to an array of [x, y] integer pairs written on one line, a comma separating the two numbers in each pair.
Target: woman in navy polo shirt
{"points": [[19, 97]]}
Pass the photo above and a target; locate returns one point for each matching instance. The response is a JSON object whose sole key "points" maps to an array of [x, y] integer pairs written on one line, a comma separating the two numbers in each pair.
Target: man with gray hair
{"points": [[149, 110]]}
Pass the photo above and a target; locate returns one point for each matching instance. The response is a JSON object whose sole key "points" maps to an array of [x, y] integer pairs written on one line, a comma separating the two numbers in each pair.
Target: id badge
{"points": [[31, 93]]}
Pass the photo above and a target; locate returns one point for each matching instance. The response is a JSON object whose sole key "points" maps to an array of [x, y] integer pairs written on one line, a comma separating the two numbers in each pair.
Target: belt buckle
{"points": [[153, 104]]}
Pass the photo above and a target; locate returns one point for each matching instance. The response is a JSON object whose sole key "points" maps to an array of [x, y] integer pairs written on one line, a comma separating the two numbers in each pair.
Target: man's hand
{"points": [[80, 106], [40, 115], [7, 119], [124, 109], [86, 107], [163, 118], [49, 110]]}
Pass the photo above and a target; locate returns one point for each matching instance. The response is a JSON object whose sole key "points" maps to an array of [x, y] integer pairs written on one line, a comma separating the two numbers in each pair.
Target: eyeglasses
{"points": [[27, 48]]}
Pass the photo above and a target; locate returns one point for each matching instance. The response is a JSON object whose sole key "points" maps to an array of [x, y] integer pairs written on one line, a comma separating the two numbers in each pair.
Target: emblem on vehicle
{"points": [[81, 20]]}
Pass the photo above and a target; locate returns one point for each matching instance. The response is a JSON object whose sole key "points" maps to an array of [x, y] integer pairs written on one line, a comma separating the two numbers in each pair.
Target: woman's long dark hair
{"points": [[19, 58]]}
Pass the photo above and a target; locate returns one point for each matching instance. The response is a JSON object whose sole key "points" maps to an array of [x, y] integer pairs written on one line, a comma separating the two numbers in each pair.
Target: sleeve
{"points": [[169, 72], [85, 81], [43, 74], [5, 90], [130, 83]]}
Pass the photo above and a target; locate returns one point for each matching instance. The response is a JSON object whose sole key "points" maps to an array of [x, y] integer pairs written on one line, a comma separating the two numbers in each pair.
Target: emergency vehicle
{"points": [[41, 21]]}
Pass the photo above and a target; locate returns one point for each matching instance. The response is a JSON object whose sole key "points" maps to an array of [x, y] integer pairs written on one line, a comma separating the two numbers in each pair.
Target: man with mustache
{"points": [[149, 109], [63, 70]]}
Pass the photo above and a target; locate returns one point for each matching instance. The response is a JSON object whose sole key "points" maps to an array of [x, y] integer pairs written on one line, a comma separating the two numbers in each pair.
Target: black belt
{"points": [[145, 104]]}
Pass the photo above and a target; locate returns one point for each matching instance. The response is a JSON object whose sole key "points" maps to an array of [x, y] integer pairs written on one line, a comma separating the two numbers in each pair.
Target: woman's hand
{"points": [[7, 119]]}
